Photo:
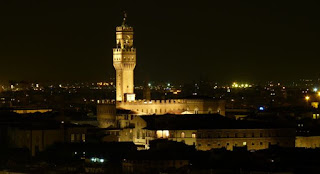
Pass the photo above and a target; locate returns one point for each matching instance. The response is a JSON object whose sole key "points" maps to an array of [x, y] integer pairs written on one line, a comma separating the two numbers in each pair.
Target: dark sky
{"points": [[215, 40]]}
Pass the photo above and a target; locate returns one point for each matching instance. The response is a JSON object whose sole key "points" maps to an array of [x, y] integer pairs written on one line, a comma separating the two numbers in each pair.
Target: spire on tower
{"points": [[124, 18]]}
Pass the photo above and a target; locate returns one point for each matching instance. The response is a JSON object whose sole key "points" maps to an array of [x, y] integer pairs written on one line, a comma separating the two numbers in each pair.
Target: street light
{"points": [[319, 94]]}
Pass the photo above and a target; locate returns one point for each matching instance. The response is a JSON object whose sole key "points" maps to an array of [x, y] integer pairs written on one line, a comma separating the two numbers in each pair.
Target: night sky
{"points": [[213, 40]]}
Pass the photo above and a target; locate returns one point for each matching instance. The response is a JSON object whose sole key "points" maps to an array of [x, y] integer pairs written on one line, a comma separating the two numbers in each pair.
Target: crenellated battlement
{"points": [[152, 102], [106, 101], [120, 50], [124, 28]]}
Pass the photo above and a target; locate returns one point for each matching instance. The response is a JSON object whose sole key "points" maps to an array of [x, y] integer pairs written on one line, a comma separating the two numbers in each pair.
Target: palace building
{"points": [[124, 62]]}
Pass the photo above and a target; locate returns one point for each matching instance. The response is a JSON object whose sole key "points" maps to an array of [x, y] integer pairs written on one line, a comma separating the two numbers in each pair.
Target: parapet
{"points": [[151, 102], [124, 28], [105, 101], [120, 50]]}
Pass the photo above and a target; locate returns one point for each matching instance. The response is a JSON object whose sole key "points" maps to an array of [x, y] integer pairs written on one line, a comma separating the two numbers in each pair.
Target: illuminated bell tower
{"points": [[124, 61]]}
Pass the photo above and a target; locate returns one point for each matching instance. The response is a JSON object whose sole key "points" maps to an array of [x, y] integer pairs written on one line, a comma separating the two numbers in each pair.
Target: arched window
{"points": [[182, 135], [196, 110]]}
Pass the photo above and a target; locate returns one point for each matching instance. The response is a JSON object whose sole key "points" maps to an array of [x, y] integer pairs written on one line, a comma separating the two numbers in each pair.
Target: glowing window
{"points": [[193, 135], [182, 135], [72, 137], [162, 133], [83, 137], [244, 143]]}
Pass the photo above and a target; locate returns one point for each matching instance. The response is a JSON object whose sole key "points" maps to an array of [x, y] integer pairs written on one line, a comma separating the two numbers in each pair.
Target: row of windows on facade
{"points": [[196, 111], [236, 135], [78, 138], [243, 144], [159, 134], [316, 116], [167, 134], [124, 58]]}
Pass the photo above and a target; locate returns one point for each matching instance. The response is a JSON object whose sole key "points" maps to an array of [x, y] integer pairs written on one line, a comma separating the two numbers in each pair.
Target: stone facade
{"points": [[253, 139], [124, 61], [308, 141]]}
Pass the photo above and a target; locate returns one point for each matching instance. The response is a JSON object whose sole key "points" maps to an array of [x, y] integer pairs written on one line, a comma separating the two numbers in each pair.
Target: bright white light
{"points": [[261, 108], [169, 84], [315, 89], [101, 160], [149, 84]]}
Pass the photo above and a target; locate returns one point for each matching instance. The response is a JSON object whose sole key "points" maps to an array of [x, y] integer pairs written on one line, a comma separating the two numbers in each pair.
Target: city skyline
{"points": [[244, 41]]}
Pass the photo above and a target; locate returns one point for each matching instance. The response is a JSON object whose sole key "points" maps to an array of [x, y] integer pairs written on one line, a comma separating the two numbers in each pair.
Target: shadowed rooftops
{"points": [[204, 121]]}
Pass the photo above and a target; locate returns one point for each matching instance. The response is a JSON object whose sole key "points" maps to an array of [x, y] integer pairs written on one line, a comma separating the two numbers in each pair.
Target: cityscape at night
{"points": [[159, 88]]}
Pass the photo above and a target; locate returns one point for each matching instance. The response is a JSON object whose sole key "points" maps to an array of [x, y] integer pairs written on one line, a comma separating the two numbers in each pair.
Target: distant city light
{"points": [[318, 93], [261, 108], [94, 159], [169, 84], [315, 89], [149, 84], [243, 85], [307, 98]]}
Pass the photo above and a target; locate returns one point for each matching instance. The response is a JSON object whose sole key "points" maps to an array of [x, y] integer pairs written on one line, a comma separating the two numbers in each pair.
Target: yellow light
{"points": [[236, 85], [307, 98], [319, 94]]}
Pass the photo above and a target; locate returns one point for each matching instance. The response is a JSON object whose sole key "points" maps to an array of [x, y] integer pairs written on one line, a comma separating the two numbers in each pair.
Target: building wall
{"points": [[31, 111], [134, 129], [158, 107], [106, 115], [131, 130], [145, 166], [186, 136], [38, 140], [254, 139], [308, 142], [124, 61], [34, 140]]}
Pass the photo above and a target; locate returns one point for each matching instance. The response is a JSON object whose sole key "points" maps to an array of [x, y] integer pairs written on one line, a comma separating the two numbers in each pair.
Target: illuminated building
{"points": [[308, 141], [124, 61], [202, 131], [37, 137]]}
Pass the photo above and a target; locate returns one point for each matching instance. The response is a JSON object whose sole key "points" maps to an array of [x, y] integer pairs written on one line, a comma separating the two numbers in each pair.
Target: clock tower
{"points": [[124, 61]]}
